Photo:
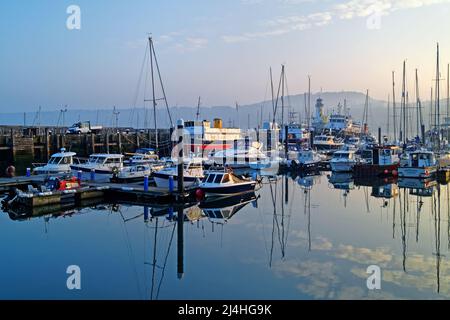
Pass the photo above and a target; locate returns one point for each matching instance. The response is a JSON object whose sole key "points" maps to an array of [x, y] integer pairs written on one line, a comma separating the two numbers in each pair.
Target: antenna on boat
{"points": [[198, 108]]}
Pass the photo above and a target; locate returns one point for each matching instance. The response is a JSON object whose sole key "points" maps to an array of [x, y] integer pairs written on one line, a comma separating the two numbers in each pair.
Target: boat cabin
{"points": [[421, 159], [381, 155], [106, 159], [62, 158], [344, 154], [218, 177]]}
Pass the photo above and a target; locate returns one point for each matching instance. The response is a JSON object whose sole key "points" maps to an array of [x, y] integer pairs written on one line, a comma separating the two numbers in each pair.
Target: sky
{"points": [[219, 50]]}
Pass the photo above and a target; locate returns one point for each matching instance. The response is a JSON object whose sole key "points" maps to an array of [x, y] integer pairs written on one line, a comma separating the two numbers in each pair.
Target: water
{"points": [[291, 242]]}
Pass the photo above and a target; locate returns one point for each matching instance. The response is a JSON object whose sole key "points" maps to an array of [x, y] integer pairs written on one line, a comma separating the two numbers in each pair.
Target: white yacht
{"points": [[135, 172], [306, 159], [101, 163], [343, 161], [240, 157], [325, 142], [142, 156], [59, 163], [192, 174]]}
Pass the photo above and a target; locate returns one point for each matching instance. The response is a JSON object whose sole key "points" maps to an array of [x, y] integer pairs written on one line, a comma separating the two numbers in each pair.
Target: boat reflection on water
{"points": [[219, 211], [419, 187], [22, 213], [342, 181]]}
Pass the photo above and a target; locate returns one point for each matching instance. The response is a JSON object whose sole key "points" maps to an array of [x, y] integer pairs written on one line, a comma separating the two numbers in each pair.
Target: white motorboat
{"points": [[135, 173], [325, 142], [59, 163], [343, 161], [142, 156], [101, 163], [192, 174], [240, 157], [219, 183], [306, 159]]}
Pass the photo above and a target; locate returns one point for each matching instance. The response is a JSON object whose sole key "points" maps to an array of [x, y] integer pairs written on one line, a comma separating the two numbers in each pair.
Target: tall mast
{"points": [[366, 114], [419, 107], [448, 91], [309, 102], [153, 92], [394, 116], [388, 115], [438, 106], [431, 110], [403, 127], [273, 100], [282, 97]]}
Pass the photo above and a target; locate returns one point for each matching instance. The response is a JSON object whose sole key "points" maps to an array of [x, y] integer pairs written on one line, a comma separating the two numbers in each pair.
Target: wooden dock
{"points": [[133, 193]]}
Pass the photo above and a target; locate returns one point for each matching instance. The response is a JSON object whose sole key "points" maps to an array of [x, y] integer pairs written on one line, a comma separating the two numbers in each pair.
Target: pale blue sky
{"points": [[220, 50]]}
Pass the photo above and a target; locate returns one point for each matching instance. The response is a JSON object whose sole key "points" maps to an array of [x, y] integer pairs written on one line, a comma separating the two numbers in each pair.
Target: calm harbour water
{"points": [[289, 242]]}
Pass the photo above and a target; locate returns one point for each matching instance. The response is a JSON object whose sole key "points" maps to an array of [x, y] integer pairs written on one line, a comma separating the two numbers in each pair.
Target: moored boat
{"points": [[192, 174], [59, 163], [343, 161], [104, 163], [418, 164], [382, 160], [225, 183]]}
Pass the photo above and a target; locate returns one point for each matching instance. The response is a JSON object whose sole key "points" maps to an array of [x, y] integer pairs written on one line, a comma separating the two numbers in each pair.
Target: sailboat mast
{"points": [[419, 107], [403, 127], [153, 93], [438, 105], [282, 97], [394, 116], [388, 115], [273, 100], [438, 89], [309, 103]]}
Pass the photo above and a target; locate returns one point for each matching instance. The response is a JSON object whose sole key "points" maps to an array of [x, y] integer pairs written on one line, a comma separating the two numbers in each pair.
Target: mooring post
{"points": [[171, 184], [235, 147], [286, 141], [79, 174], [145, 214], [146, 183], [180, 179], [180, 247], [92, 174], [119, 141], [247, 147], [422, 131], [379, 136], [47, 145], [28, 172], [224, 156], [92, 143], [107, 142]]}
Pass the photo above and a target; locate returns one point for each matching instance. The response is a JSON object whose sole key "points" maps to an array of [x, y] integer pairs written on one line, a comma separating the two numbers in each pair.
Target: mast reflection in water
{"points": [[298, 237]]}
